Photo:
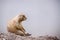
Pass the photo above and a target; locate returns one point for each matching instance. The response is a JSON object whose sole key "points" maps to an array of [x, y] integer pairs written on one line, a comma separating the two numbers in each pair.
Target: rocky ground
{"points": [[11, 36]]}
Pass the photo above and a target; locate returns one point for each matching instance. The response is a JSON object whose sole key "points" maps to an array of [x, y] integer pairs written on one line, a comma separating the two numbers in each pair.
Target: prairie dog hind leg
{"points": [[19, 33]]}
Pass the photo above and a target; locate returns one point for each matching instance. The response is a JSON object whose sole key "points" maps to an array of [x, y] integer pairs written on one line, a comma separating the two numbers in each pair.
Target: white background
{"points": [[42, 15]]}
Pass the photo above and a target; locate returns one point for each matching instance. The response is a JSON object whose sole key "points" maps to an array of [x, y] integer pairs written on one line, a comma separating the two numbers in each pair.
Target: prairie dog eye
{"points": [[24, 17]]}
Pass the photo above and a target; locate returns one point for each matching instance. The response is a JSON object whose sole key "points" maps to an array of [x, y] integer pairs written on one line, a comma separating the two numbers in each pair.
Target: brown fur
{"points": [[15, 25]]}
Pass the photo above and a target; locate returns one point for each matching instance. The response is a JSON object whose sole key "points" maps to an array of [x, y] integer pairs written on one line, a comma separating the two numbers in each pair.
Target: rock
{"points": [[12, 36]]}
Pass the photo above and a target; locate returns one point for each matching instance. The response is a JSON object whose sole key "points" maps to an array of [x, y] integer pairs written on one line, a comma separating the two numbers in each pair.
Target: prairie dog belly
{"points": [[11, 27]]}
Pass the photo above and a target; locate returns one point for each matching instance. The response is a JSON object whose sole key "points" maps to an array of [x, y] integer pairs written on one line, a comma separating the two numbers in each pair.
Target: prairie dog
{"points": [[15, 25]]}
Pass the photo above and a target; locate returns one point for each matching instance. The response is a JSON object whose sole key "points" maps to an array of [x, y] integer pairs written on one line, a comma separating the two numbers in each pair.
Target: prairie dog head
{"points": [[21, 17]]}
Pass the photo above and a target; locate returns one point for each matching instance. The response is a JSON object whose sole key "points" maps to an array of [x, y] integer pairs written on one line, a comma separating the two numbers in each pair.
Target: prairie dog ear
{"points": [[21, 14]]}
